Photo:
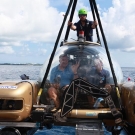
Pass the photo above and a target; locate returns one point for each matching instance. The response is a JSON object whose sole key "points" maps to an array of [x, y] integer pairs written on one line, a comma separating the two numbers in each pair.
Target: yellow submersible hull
{"points": [[17, 99]]}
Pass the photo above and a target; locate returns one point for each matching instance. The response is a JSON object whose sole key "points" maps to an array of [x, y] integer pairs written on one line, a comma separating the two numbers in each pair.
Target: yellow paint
{"points": [[40, 91], [128, 94], [118, 94]]}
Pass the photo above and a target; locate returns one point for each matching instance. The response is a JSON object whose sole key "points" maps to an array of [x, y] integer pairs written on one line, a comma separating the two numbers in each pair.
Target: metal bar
{"points": [[93, 13], [18, 124], [107, 52], [71, 18], [55, 47]]}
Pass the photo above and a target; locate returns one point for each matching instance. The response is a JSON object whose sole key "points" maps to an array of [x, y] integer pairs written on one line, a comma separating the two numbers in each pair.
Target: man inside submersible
{"points": [[64, 73], [98, 75]]}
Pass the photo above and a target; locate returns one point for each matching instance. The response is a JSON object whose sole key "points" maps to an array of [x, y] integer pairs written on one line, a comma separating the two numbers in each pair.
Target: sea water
{"points": [[9, 72]]}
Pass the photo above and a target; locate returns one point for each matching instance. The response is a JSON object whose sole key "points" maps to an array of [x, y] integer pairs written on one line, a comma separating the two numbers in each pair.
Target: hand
{"points": [[108, 87], [72, 26], [54, 95], [95, 23], [75, 67], [52, 92], [69, 23], [56, 85]]}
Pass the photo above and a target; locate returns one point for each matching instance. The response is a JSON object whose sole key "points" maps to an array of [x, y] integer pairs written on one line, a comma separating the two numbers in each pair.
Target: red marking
{"points": [[129, 78], [81, 33]]}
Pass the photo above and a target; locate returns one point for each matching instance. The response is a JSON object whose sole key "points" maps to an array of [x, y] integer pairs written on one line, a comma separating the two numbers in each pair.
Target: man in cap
{"points": [[99, 76], [84, 25]]}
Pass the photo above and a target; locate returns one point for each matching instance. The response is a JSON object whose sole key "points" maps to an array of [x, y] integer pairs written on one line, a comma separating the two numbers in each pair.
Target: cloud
{"points": [[118, 25], [24, 51], [29, 20], [10, 43], [35, 22], [58, 2], [131, 49], [6, 50], [42, 51]]}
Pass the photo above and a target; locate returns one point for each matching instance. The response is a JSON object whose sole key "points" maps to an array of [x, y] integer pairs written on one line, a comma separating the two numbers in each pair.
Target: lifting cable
{"points": [[70, 19]]}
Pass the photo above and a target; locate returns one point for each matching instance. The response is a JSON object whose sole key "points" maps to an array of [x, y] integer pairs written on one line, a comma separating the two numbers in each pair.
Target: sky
{"points": [[29, 28]]}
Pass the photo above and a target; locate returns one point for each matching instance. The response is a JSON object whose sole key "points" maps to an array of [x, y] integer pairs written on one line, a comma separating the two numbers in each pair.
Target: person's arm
{"points": [[52, 80], [72, 26], [74, 69], [94, 24], [52, 76], [107, 85], [53, 94]]}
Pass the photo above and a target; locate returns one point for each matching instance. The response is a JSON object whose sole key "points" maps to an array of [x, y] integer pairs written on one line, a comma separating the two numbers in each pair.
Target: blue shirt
{"points": [[65, 77], [99, 78]]}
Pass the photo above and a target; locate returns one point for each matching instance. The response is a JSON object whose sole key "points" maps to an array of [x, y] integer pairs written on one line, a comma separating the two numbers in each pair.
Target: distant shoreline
{"points": [[28, 64], [21, 64]]}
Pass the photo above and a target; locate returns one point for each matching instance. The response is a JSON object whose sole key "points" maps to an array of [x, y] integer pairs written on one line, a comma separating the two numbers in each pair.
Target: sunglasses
{"points": [[82, 15]]}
